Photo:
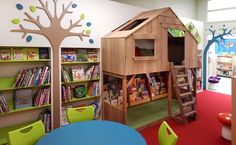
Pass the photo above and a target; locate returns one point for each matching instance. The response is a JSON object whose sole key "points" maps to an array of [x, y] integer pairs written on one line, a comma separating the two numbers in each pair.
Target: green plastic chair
{"points": [[166, 136], [27, 135], [80, 114]]}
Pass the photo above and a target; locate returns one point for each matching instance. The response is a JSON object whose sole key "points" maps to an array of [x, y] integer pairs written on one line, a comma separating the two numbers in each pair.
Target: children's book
{"points": [[33, 54], [18, 54], [43, 53], [92, 55], [80, 91], [71, 55], [63, 55], [5, 54], [78, 73], [89, 72], [82, 54], [23, 98]]}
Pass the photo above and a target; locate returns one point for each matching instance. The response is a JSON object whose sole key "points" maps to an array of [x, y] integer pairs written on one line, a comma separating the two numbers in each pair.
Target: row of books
{"points": [[79, 91], [157, 86], [42, 97], [45, 117], [3, 105], [73, 55], [138, 89], [78, 73], [20, 54], [113, 93], [27, 98], [33, 77]]}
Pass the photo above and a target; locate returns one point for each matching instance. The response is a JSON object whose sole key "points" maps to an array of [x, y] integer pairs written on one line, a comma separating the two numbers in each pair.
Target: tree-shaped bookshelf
{"points": [[55, 34]]}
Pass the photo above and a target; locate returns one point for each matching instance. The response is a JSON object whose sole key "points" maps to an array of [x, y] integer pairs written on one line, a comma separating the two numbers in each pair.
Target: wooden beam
{"points": [[144, 36]]}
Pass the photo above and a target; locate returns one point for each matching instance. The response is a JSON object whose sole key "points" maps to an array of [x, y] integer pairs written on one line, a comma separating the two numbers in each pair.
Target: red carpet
{"points": [[206, 130]]}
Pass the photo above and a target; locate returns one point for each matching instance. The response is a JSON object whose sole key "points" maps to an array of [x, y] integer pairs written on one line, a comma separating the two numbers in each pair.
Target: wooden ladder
{"points": [[186, 101]]}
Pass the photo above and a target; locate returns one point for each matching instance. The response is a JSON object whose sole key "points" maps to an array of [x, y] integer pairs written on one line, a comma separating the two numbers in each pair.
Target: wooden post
{"points": [[124, 107], [169, 94], [233, 111]]}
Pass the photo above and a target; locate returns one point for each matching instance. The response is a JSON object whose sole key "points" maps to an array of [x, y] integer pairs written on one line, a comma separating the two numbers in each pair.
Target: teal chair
{"points": [[80, 114], [166, 136], [27, 135]]}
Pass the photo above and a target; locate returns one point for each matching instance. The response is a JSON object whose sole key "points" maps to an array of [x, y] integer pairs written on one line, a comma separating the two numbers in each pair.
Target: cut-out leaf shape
{"points": [[88, 31], [15, 21], [91, 41], [19, 6], [74, 5], [32, 8], [88, 24], [29, 38], [82, 16]]}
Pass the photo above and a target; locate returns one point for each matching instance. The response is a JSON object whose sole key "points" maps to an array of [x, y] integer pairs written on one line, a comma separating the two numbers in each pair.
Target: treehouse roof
{"points": [[139, 21]]}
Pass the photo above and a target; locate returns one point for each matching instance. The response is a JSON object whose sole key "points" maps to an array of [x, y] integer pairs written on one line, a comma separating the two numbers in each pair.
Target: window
{"points": [[133, 24], [221, 10], [144, 47]]}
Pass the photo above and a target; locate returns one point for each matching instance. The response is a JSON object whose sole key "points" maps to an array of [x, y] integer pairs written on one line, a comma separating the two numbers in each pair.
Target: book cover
{"points": [[80, 91], [23, 98], [71, 55], [5, 54], [33, 54], [89, 72], [82, 54], [92, 55], [18, 54], [63, 55], [43, 53], [78, 73]]}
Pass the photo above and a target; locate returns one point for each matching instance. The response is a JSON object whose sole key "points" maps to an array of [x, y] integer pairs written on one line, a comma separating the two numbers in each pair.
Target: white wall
{"points": [[183, 8], [104, 15]]}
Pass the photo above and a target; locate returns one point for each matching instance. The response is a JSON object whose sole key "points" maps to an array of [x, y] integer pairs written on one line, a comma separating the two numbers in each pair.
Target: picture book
{"points": [[5, 54], [33, 54], [92, 55], [18, 54], [43, 53], [71, 55], [23, 98], [77, 73], [3, 105], [80, 91], [63, 55], [89, 72], [82, 54]]}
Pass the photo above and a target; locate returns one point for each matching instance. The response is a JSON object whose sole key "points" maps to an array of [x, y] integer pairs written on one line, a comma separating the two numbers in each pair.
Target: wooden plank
{"points": [[169, 94], [233, 129], [169, 20], [173, 26], [125, 105], [113, 75], [159, 96], [138, 102], [144, 36], [191, 52], [112, 113]]}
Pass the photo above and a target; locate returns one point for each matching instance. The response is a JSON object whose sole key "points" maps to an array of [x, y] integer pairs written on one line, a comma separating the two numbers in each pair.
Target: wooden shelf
{"points": [[24, 109], [7, 83], [80, 99], [80, 62], [24, 61], [145, 100], [79, 81], [160, 96], [225, 69], [224, 75], [221, 62], [225, 56]]}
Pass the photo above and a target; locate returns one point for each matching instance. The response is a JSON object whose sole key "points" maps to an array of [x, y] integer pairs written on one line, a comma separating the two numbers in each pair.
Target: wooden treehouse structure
{"points": [[146, 45]]}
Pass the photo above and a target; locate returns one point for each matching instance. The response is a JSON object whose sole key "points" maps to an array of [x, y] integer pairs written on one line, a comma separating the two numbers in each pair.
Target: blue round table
{"points": [[93, 133]]}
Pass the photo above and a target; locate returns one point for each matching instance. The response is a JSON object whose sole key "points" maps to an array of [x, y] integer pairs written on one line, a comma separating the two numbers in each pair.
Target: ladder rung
{"points": [[179, 67], [185, 94], [190, 113], [183, 75], [183, 85], [188, 103]]}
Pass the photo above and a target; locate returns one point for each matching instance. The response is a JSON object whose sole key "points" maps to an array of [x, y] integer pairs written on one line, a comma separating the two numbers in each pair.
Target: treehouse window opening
{"points": [[133, 24], [144, 47]]}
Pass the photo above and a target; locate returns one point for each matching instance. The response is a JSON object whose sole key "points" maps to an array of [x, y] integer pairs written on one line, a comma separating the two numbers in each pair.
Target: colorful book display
{"points": [[66, 93], [80, 91], [42, 97], [138, 89], [33, 77], [5, 54], [93, 89], [77, 73], [18, 54], [43, 53], [3, 105], [157, 86], [74, 55]]}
